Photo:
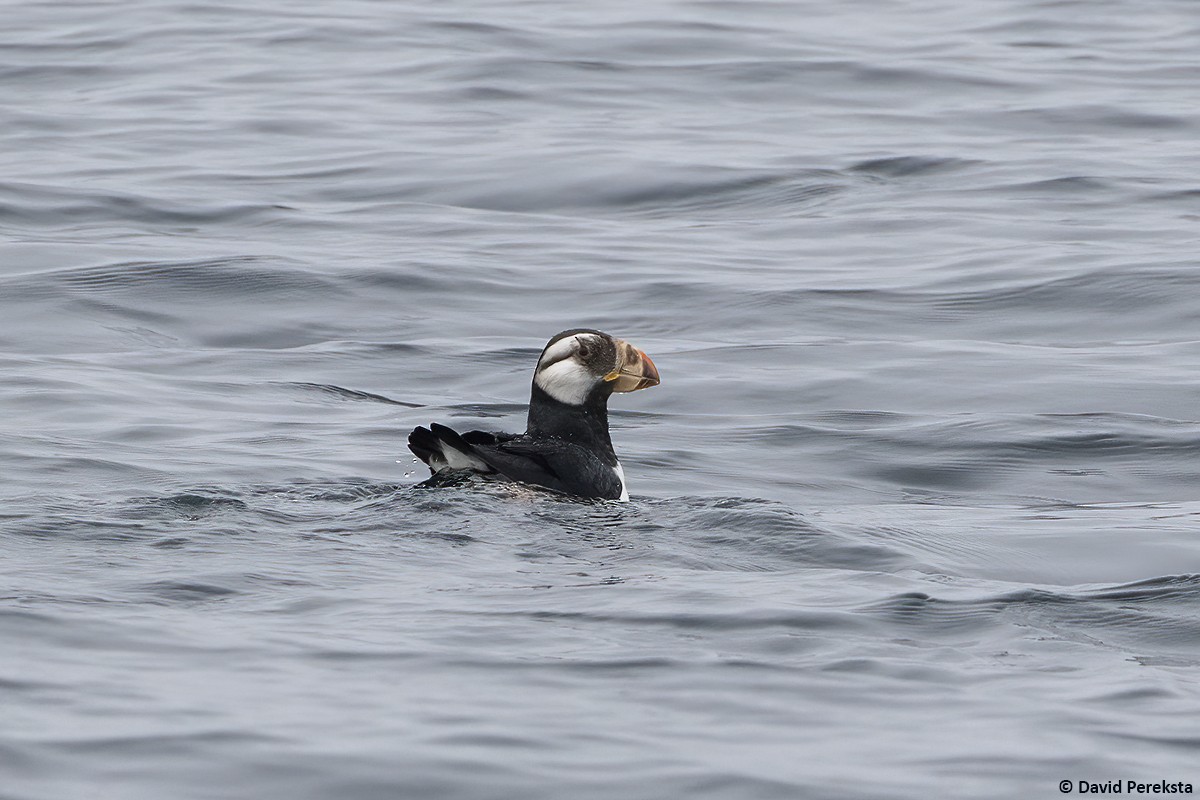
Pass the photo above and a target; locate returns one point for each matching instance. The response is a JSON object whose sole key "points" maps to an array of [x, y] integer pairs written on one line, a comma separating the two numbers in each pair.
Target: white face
{"points": [[561, 372]]}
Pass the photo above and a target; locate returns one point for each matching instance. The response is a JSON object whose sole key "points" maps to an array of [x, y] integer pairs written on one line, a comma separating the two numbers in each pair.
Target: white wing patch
{"points": [[451, 458]]}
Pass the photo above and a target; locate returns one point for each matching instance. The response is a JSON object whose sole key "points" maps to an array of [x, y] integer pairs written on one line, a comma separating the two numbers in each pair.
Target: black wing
{"points": [[555, 464], [550, 463], [444, 449]]}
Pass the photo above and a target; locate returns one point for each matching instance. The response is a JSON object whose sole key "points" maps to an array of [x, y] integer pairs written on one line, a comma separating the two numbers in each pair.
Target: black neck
{"points": [[586, 425]]}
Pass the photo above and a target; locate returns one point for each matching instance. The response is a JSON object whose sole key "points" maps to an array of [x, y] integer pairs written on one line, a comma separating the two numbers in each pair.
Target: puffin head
{"points": [[578, 364]]}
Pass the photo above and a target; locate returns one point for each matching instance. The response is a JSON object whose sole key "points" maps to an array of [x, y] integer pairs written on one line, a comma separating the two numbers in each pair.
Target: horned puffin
{"points": [[566, 446]]}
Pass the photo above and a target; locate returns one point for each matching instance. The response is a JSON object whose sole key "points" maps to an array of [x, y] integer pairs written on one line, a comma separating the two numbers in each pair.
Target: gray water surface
{"points": [[914, 511]]}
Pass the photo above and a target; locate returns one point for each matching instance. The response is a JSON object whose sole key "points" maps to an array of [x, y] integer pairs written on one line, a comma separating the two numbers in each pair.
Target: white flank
{"points": [[624, 498], [567, 381]]}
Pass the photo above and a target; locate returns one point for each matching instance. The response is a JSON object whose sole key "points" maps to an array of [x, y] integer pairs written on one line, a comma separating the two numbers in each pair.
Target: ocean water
{"points": [[914, 511]]}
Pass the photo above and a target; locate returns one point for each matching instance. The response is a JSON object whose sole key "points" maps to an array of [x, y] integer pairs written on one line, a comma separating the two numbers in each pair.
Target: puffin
{"points": [[566, 446]]}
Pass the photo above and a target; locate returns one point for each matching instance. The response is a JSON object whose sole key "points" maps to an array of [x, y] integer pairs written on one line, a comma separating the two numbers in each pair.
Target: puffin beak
{"points": [[634, 369]]}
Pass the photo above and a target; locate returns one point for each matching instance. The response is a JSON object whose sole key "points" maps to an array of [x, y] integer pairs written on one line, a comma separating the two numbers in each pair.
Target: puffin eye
{"points": [[583, 350]]}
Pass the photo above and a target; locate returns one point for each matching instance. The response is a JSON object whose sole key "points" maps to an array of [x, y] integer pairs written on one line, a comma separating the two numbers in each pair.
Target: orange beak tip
{"points": [[649, 371]]}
